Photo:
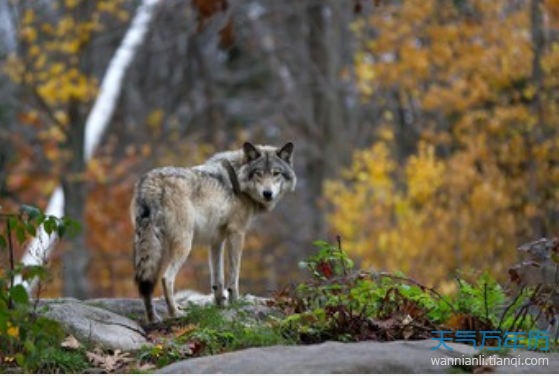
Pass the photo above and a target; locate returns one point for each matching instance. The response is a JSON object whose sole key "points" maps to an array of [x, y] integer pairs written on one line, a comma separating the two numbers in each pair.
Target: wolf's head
{"points": [[267, 173]]}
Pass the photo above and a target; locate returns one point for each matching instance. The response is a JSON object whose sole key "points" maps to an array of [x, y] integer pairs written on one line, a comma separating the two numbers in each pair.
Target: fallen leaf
{"points": [[71, 343], [95, 359], [108, 362], [147, 367], [181, 331]]}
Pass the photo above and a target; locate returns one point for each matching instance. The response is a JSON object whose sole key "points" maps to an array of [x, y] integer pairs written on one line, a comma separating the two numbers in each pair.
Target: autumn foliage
{"points": [[451, 107], [465, 167]]}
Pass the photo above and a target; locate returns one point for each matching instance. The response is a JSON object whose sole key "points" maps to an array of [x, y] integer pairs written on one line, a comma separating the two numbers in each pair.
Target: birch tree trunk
{"points": [[76, 261]]}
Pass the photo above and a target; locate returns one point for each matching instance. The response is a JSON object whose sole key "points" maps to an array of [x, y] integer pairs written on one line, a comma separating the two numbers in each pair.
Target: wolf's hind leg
{"points": [[152, 315], [179, 255], [216, 271], [236, 242]]}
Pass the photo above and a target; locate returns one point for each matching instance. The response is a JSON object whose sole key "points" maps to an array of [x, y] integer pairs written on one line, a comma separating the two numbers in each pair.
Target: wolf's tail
{"points": [[148, 250]]}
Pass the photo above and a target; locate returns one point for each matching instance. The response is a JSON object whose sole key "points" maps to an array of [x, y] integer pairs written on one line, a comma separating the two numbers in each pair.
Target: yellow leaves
{"points": [[64, 84], [434, 215], [48, 63], [30, 117], [366, 75], [54, 134], [70, 4], [65, 26], [123, 16], [155, 120], [56, 69], [107, 6], [28, 35], [13, 331], [374, 165], [14, 68], [28, 17], [423, 174]]}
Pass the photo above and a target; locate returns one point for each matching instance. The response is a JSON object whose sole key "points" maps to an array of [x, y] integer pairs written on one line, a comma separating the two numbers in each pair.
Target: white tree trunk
{"points": [[39, 249]]}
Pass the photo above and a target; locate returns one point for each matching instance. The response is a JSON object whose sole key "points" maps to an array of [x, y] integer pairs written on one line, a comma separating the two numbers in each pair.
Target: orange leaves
{"points": [[207, 9], [358, 4]]}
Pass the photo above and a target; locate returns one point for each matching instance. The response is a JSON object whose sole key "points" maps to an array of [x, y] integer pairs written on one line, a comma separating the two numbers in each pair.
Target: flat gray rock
{"points": [[134, 308], [335, 357], [131, 308], [98, 325]]}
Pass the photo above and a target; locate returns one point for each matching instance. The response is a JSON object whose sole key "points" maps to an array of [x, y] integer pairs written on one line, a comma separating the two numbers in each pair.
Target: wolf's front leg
{"points": [[236, 242], [216, 271]]}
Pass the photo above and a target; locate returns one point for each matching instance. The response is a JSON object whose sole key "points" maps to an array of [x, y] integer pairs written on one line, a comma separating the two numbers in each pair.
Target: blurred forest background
{"points": [[426, 131]]}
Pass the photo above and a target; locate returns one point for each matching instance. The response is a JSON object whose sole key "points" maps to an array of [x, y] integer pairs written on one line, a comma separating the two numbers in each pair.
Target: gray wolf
{"points": [[212, 205]]}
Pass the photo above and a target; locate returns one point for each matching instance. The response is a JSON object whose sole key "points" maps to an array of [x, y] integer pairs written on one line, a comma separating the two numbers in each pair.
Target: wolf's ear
{"points": [[251, 153], [286, 153]]}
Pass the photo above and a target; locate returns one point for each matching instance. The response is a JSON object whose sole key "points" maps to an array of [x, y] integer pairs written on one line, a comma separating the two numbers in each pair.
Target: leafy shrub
{"points": [[339, 303], [26, 339]]}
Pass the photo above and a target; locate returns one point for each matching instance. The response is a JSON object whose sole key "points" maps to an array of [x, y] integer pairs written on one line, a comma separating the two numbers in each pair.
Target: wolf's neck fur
{"points": [[231, 162], [232, 176], [235, 158]]}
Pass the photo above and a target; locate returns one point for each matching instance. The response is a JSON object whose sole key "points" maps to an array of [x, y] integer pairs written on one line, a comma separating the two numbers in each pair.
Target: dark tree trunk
{"points": [[76, 256], [536, 135], [325, 30]]}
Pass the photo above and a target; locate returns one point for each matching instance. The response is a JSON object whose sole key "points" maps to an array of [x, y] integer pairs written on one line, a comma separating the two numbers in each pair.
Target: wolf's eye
{"points": [[276, 173], [259, 173]]}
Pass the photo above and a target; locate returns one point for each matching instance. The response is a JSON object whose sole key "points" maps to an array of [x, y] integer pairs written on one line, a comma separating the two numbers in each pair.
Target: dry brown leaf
{"points": [[147, 367], [71, 343], [95, 359], [179, 332], [109, 362]]}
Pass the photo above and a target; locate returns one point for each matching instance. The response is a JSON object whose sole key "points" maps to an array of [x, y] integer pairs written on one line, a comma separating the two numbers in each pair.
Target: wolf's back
{"points": [[146, 215]]}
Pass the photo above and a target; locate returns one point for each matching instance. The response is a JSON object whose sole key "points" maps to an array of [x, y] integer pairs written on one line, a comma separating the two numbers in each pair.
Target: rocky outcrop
{"points": [[115, 323], [96, 325], [361, 357]]}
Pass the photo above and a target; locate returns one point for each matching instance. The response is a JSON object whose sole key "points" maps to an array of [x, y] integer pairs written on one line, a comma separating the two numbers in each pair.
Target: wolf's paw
{"points": [[233, 295], [220, 301], [219, 296]]}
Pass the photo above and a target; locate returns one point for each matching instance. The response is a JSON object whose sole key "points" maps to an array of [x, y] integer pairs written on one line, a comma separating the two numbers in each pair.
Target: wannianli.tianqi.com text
{"points": [[493, 360]]}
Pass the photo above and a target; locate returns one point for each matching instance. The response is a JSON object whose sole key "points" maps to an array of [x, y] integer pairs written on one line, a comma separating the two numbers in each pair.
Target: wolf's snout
{"points": [[268, 195]]}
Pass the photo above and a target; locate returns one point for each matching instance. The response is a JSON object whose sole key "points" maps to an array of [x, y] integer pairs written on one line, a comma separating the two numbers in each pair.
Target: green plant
{"points": [[208, 330], [26, 337], [56, 360], [217, 331], [342, 304]]}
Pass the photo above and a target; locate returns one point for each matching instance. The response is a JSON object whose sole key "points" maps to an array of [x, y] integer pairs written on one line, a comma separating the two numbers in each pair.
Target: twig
{"points": [[525, 307], [339, 240], [485, 302], [12, 265], [140, 332], [431, 290], [511, 305]]}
